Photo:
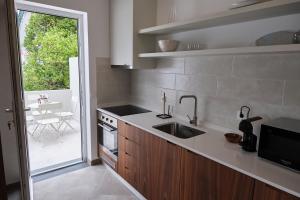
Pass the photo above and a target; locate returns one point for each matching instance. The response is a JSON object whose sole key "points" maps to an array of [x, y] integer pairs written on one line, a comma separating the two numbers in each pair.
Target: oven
{"points": [[108, 139]]}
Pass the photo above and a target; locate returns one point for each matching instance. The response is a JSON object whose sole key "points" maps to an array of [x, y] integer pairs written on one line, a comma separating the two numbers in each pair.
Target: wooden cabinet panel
{"points": [[129, 132], [128, 169], [159, 168], [168, 157], [145, 165], [128, 147], [266, 192], [205, 179]]}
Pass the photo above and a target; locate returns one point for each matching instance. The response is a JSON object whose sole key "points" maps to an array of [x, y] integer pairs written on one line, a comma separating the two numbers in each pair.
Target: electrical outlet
{"points": [[239, 117]]}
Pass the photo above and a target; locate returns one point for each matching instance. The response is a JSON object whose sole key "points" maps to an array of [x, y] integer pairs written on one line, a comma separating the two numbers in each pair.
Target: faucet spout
{"points": [[195, 118]]}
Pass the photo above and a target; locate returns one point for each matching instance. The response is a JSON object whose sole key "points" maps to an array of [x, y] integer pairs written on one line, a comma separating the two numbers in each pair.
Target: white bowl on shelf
{"points": [[168, 45]]}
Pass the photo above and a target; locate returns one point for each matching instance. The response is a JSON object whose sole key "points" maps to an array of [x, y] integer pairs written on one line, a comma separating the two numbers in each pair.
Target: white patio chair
{"points": [[67, 116], [29, 122], [47, 118]]}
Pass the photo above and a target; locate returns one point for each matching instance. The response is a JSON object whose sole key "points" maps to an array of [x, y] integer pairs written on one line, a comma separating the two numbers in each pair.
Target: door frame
{"points": [[83, 58], [16, 70]]}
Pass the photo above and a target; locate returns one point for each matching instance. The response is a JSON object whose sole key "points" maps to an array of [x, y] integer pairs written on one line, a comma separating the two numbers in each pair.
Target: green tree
{"points": [[50, 41]]}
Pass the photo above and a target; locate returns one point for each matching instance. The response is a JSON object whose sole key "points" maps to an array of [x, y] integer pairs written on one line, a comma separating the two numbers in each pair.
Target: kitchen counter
{"points": [[214, 146]]}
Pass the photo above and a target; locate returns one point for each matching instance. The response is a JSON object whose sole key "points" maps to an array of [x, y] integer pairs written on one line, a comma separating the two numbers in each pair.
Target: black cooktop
{"points": [[125, 110]]}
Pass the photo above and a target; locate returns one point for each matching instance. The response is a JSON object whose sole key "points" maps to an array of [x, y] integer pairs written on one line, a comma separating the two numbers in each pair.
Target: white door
{"points": [[12, 126]]}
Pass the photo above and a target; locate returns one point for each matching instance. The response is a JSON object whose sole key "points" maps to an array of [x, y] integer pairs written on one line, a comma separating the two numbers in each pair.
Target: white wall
{"points": [[98, 23]]}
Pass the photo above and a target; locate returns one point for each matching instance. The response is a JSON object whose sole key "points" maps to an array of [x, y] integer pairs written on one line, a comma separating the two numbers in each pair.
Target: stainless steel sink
{"points": [[178, 130]]}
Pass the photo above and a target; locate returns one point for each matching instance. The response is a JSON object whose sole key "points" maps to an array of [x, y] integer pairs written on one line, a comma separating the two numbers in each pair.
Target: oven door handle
{"points": [[106, 127]]}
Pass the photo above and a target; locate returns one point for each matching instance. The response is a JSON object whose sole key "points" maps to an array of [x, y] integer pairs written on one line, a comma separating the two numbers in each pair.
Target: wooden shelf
{"points": [[254, 12], [290, 48]]}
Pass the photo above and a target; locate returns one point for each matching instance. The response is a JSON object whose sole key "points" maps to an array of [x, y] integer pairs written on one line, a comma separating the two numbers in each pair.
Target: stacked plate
{"points": [[244, 3]]}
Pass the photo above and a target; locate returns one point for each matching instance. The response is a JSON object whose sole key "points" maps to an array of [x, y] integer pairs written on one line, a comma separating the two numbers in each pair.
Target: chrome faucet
{"points": [[195, 118]]}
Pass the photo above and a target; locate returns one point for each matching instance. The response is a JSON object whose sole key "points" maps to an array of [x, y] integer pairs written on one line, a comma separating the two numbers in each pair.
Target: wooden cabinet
{"points": [[149, 163], [128, 159], [127, 17], [159, 168], [205, 179], [264, 191]]}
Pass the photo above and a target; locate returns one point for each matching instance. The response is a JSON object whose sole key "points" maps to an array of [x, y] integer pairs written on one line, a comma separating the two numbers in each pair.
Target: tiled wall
{"points": [[269, 84], [113, 85]]}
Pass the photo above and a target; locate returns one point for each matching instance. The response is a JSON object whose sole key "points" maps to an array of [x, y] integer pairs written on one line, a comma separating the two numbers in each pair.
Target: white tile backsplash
{"points": [[112, 85], [267, 91], [269, 84], [292, 93], [205, 85], [211, 65], [274, 67]]}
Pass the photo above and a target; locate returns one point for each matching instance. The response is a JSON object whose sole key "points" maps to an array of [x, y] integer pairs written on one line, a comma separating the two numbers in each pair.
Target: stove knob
{"points": [[111, 121], [103, 117], [106, 119]]}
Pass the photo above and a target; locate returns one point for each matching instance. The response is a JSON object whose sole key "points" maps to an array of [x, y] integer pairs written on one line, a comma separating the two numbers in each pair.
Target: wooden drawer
{"points": [[128, 131], [128, 147], [131, 176], [128, 169]]}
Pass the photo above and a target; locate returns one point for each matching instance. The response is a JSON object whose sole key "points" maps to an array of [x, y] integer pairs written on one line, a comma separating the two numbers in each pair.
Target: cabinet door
{"points": [[159, 168], [205, 179], [146, 165], [266, 192], [168, 158]]}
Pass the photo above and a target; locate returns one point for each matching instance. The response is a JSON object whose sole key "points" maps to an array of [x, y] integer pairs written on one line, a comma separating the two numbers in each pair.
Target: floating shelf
{"points": [[254, 12], [290, 48]]}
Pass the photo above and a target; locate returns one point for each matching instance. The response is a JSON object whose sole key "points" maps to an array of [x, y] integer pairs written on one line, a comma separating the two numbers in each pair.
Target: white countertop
{"points": [[214, 146]]}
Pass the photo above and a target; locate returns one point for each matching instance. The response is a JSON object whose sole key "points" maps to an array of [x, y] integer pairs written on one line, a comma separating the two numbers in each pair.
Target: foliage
{"points": [[50, 41]]}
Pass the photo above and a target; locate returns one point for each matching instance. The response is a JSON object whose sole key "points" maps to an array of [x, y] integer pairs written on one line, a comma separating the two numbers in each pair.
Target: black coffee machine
{"points": [[249, 139]]}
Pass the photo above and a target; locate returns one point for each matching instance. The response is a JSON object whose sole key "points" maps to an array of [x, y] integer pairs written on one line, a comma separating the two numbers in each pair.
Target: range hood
{"points": [[121, 66]]}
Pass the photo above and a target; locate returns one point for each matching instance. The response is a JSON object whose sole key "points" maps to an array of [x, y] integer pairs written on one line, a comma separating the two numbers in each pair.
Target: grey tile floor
{"points": [[91, 183]]}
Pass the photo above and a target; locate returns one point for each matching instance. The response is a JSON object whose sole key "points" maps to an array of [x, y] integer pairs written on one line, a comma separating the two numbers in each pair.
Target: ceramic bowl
{"points": [[168, 45], [233, 138]]}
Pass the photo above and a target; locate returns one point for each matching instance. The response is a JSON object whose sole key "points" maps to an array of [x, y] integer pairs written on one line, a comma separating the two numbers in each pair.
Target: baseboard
{"points": [[94, 162], [13, 186], [57, 172], [132, 189]]}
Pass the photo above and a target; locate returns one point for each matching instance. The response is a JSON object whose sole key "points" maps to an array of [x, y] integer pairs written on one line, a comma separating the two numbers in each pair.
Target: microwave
{"points": [[280, 142]]}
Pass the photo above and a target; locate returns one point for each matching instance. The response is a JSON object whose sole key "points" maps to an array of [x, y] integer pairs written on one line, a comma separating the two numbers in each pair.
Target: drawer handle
{"points": [[126, 153], [107, 128], [126, 168], [127, 124], [170, 142], [126, 138]]}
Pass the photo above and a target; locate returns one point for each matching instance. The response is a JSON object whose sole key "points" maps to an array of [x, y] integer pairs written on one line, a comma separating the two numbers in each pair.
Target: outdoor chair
{"points": [[47, 118], [67, 116]]}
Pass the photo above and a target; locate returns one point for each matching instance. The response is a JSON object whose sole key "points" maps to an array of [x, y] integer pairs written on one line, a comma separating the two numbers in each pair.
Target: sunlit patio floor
{"points": [[51, 148]]}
